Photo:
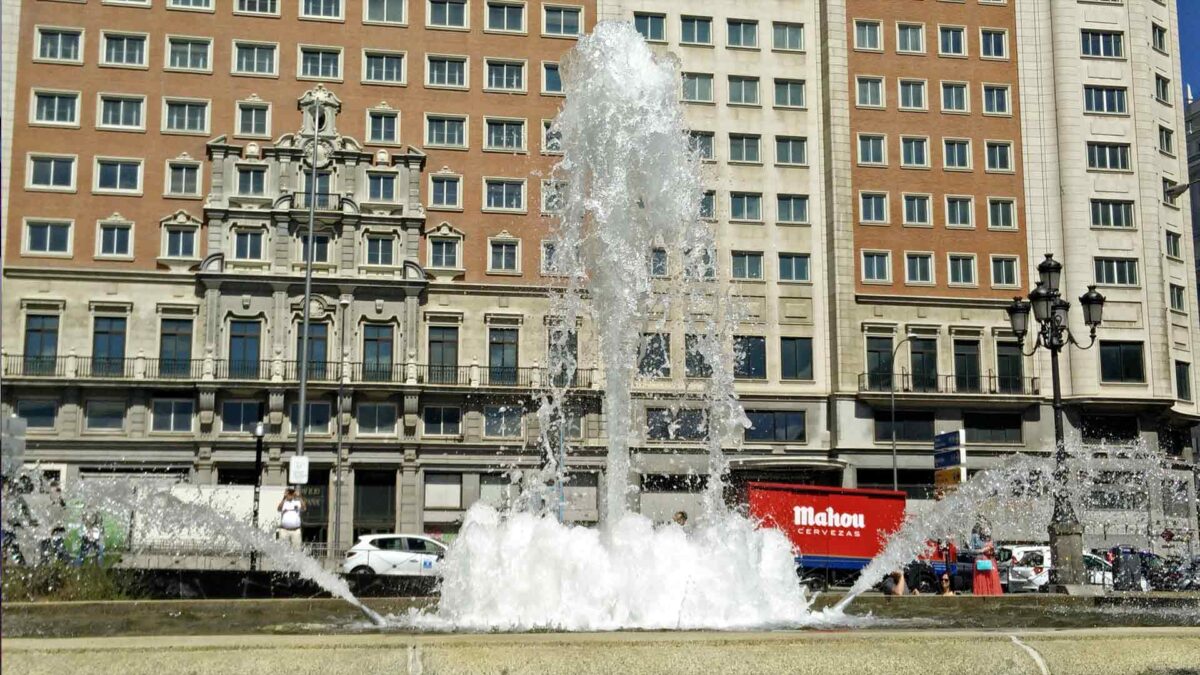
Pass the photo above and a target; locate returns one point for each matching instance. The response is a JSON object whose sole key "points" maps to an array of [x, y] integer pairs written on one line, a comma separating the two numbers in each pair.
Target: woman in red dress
{"points": [[986, 580]]}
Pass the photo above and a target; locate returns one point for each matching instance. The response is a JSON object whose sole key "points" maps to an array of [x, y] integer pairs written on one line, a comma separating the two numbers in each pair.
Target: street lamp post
{"points": [[892, 392], [259, 431], [337, 466], [1050, 310]]}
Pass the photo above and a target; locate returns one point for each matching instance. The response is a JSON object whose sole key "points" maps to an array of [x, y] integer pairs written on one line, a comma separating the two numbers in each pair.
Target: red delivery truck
{"points": [[836, 531]]}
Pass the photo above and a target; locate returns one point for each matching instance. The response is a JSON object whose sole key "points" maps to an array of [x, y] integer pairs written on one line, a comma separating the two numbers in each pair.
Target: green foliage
{"points": [[63, 581]]}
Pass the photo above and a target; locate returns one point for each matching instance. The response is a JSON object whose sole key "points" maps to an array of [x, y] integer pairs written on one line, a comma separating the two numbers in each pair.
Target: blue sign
{"points": [[947, 440], [948, 451]]}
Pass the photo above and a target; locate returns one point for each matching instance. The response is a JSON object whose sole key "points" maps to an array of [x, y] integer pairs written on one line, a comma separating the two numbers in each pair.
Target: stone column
{"points": [[408, 494]]}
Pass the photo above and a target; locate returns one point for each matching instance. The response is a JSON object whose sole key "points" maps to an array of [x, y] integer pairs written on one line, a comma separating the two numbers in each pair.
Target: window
{"points": [[503, 256], [1183, 380], [240, 416], [551, 265], [120, 112], [1168, 186], [446, 131], [789, 93], [124, 50], [1116, 271], [186, 116], [1004, 271], [1009, 369], [445, 71], [867, 35], [1178, 298], [37, 414], [505, 135], [59, 44], [877, 266], [911, 426], [999, 156], [1108, 100], [381, 187], [954, 97], [562, 21], [384, 68], [873, 208], [1166, 141], [791, 150], [958, 212], [506, 75], [443, 252], [914, 152], [740, 33], [173, 415], [1158, 38], [442, 491], [708, 205], [910, 38], [916, 210], [787, 36], [658, 262], [744, 148], [442, 421], [664, 424], [51, 173], [321, 9], [380, 250], [445, 191], [995, 99], [1102, 44], [554, 194], [385, 11], [377, 418], [870, 92], [180, 242], [105, 415], [500, 421], [1112, 213], [1002, 214], [791, 208], [923, 354], [793, 266], [508, 195], [747, 265], [694, 362], [316, 417], [1174, 244], [188, 53], [743, 90], [653, 27], [248, 245], [320, 63], [952, 41], [962, 270], [254, 59], [702, 144], [119, 175], [551, 79], [1108, 156], [993, 44], [796, 358], [871, 149], [750, 357], [378, 344], [257, 6], [447, 13], [696, 30], [918, 268], [1121, 361], [654, 355], [108, 345], [56, 108], [698, 87], [503, 16], [183, 179], [254, 119], [966, 366], [912, 94], [252, 181], [51, 237], [993, 427], [775, 426], [745, 206], [382, 126]]}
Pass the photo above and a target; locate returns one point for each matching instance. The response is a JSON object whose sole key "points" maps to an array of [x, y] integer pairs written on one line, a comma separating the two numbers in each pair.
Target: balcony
{"points": [[35, 366], [174, 369], [503, 376], [105, 367], [916, 383], [249, 369], [318, 371], [446, 375], [321, 201]]}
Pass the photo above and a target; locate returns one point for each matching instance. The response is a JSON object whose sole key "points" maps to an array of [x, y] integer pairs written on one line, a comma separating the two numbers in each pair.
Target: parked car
{"points": [[1027, 568], [411, 555]]}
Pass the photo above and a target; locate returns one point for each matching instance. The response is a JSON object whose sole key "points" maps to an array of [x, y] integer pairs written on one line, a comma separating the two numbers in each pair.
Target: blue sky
{"points": [[1189, 38]]}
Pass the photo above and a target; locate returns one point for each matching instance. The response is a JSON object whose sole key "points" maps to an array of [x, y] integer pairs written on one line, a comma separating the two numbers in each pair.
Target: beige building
{"points": [[884, 176]]}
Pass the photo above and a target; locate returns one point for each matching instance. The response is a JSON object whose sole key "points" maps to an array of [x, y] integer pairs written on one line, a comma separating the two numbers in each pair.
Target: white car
{"points": [[405, 555], [1027, 568]]}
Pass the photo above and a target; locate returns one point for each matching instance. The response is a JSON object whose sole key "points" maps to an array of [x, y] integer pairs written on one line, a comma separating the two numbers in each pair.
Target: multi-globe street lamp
{"points": [[1051, 310]]}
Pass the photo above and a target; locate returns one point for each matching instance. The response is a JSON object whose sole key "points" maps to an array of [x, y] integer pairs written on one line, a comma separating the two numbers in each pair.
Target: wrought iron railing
{"points": [[105, 367], [174, 369], [948, 384], [18, 365]]}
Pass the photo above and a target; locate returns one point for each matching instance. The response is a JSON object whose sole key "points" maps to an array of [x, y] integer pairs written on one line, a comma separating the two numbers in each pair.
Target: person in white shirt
{"points": [[289, 509]]}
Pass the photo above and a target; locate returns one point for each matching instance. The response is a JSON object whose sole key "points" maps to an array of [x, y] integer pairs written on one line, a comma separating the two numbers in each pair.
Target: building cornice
{"points": [[977, 303]]}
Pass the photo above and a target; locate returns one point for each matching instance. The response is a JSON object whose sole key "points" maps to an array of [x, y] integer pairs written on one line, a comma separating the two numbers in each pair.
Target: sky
{"points": [[1189, 39]]}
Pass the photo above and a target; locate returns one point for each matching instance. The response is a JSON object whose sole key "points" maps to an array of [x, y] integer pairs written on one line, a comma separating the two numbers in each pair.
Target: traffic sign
{"points": [[298, 470], [945, 459], [948, 439], [948, 478]]}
